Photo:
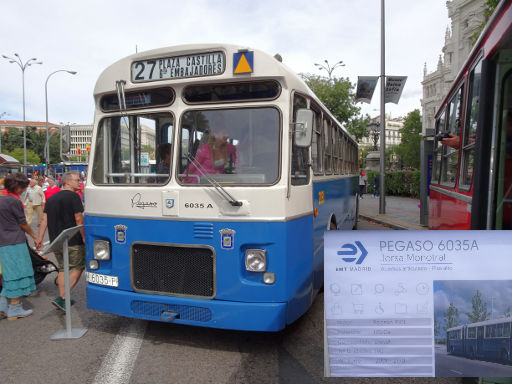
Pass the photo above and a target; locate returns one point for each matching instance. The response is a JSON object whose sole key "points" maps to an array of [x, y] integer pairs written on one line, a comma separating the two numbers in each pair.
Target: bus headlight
{"points": [[101, 250], [256, 260]]}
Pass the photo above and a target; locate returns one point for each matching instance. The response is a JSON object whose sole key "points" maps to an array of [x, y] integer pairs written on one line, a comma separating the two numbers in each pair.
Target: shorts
{"points": [[76, 258]]}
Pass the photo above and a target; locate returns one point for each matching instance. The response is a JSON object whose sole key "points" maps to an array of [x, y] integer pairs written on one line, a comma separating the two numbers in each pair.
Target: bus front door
{"points": [[479, 341]]}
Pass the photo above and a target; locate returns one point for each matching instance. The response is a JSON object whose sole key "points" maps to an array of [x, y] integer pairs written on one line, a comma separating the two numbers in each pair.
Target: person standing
{"points": [[65, 210], [35, 201], [363, 179], [52, 188], [17, 271], [375, 185]]}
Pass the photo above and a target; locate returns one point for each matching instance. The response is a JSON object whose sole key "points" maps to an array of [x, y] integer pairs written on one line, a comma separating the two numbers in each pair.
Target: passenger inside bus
{"points": [[216, 154], [164, 156]]}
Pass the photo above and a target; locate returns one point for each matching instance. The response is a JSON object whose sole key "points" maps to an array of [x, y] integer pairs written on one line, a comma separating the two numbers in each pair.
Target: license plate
{"points": [[96, 278]]}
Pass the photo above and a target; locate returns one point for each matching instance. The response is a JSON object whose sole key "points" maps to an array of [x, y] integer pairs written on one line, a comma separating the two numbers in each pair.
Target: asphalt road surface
{"points": [[121, 350]]}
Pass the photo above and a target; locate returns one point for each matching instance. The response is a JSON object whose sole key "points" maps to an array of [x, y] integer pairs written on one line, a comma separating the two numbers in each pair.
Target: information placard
{"points": [[418, 303]]}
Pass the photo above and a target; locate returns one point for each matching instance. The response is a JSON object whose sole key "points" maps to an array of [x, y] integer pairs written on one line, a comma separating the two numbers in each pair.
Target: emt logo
{"points": [[350, 252]]}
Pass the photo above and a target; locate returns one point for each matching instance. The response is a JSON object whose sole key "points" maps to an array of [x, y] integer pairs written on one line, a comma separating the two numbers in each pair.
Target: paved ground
{"points": [[401, 212]]}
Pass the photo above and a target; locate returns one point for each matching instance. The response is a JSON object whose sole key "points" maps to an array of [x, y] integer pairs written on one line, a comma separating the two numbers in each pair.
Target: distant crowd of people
{"points": [[58, 205]]}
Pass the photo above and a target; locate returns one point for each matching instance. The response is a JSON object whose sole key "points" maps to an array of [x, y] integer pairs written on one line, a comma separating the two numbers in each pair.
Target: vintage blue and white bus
{"points": [[251, 169], [489, 339]]}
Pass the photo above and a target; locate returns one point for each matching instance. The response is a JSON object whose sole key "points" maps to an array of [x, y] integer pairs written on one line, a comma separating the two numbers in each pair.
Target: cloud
{"points": [[89, 36]]}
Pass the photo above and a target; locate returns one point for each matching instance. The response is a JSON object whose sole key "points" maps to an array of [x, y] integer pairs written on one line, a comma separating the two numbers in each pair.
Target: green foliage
{"points": [[11, 139], [17, 153], [337, 94], [357, 127], [479, 312], [451, 317], [490, 6], [409, 148], [398, 183]]}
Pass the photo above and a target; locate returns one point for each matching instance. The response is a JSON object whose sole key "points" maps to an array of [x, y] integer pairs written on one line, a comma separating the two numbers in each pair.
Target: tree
{"points": [[479, 309], [507, 312], [17, 153], [409, 148], [12, 138], [337, 94], [357, 127], [437, 328], [451, 317]]}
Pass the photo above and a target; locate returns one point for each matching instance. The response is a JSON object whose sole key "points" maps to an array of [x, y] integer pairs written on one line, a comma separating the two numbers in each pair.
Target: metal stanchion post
{"points": [[61, 242]]}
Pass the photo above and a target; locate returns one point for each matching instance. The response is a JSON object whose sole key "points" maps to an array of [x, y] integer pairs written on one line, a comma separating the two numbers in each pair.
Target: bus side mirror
{"points": [[303, 128], [65, 139]]}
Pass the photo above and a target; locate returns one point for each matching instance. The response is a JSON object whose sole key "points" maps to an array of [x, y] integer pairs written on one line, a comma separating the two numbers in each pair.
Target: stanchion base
{"points": [[75, 333]]}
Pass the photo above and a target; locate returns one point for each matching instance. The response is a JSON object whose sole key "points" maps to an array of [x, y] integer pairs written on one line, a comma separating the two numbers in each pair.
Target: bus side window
{"points": [[316, 146], [300, 156], [468, 146], [504, 180], [438, 150], [450, 156]]}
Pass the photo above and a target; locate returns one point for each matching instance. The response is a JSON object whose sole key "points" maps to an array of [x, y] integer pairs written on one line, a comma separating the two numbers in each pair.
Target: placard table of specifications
{"points": [[417, 303]]}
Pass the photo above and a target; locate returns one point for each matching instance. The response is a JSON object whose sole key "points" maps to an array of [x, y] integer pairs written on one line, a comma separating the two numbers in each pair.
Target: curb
{"points": [[393, 223]]}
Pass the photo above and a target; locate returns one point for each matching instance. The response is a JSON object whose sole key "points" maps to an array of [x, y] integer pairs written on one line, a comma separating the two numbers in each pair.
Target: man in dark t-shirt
{"points": [[65, 210]]}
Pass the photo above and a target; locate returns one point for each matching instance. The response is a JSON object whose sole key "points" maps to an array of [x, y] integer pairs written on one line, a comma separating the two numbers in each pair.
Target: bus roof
{"points": [[265, 67], [482, 323]]}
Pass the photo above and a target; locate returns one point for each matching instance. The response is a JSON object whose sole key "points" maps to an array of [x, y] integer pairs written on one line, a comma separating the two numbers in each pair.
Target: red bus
{"points": [[471, 186]]}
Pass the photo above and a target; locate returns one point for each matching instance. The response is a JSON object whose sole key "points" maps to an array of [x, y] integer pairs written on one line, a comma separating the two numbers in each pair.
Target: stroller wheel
{"points": [[55, 281]]}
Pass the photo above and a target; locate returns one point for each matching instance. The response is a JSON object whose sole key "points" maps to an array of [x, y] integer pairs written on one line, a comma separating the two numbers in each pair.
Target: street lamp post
{"points": [[47, 144], [2, 129], [23, 66], [328, 68]]}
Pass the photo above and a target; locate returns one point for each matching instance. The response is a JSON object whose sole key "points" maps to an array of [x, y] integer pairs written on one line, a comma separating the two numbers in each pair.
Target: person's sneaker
{"points": [[60, 303], [16, 311]]}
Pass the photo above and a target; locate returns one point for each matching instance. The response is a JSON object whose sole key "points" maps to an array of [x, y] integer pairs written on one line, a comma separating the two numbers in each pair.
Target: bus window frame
{"points": [[176, 166], [280, 91], [135, 90], [318, 134], [451, 122], [438, 149], [134, 114], [465, 148]]}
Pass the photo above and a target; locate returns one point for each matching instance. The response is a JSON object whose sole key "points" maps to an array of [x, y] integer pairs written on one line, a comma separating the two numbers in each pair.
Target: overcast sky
{"points": [[497, 294], [88, 36]]}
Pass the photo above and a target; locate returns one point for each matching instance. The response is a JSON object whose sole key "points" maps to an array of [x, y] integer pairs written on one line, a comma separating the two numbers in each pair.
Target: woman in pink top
{"points": [[52, 188], [215, 155]]}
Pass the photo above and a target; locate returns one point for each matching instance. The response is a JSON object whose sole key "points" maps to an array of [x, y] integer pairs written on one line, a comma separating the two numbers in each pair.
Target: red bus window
{"points": [[468, 148]]}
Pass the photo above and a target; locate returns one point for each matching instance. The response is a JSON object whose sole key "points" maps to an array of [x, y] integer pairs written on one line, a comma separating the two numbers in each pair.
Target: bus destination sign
{"points": [[178, 67]]}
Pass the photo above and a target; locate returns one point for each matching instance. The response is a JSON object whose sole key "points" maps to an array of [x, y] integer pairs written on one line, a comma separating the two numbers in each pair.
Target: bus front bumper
{"points": [[198, 312]]}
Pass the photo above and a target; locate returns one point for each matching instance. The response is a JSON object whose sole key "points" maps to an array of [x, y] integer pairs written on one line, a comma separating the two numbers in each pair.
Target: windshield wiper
{"points": [[219, 188]]}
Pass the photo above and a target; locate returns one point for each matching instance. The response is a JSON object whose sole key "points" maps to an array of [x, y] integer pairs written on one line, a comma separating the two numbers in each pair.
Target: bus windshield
{"points": [[127, 145], [230, 146]]}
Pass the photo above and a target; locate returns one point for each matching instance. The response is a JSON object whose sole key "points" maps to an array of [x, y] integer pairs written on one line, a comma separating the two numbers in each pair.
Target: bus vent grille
{"points": [[173, 270], [203, 231], [186, 312]]}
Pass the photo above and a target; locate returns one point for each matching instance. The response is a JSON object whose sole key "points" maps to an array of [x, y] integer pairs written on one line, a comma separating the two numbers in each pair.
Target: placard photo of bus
{"points": [[472, 328]]}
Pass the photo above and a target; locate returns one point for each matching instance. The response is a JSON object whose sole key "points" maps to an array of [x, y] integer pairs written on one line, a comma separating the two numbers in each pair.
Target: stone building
{"points": [[393, 135], [466, 17]]}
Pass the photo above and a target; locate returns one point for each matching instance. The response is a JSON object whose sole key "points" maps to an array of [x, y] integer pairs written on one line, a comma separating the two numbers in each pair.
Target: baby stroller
{"points": [[41, 266]]}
